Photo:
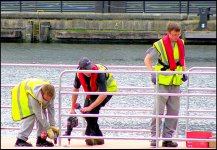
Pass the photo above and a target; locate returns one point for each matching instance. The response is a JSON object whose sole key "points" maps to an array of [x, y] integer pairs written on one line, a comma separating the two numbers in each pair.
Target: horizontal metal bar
{"points": [[201, 89], [202, 68], [57, 86], [83, 129], [196, 110], [133, 93], [130, 109], [136, 138], [103, 108], [125, 88], [110, 66], [139, 116], [127, 71]]}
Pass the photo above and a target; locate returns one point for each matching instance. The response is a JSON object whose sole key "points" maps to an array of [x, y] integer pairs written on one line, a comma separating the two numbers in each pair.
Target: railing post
{"points": [[144, 6], [60, 107], [157, 111], [61, 6], [20, 6], [180, 7], [187, 105], [187, 7], [83, 119]]}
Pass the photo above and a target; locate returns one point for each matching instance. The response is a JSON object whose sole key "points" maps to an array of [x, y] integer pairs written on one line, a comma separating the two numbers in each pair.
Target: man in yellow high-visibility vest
{"points": [[170, 53], [93, 82], [30, 100]]}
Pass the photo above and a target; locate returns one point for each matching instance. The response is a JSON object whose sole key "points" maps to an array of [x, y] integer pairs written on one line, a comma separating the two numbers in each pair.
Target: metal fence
{"points": [[169, 6], [127, 6]]}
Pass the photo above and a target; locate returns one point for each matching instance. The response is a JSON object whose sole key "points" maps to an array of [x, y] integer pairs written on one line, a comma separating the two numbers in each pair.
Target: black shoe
{"points": [[169, 144], [20, 142], [89, 142], [153, 143], [43, 143], [99, 141], [66, 134]]}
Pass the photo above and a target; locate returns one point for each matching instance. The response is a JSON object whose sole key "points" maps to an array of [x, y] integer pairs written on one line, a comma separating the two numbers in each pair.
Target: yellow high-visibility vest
{"points": [[21, 107], [111, 84], [168, 79]]}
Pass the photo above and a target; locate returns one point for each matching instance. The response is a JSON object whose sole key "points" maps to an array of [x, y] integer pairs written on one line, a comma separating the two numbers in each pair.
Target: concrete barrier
{"points": [[140, 27]]}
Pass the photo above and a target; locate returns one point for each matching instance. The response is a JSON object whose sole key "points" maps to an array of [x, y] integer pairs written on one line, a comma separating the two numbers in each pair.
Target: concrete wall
{"points": [[153, 26]]}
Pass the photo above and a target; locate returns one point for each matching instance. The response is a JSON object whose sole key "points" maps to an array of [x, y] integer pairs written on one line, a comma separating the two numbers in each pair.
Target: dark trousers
{"points": [[92, 128]]}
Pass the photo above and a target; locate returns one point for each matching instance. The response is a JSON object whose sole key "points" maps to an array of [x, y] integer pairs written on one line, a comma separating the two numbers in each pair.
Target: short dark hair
{"points": [[173, 26], [48, 89]]}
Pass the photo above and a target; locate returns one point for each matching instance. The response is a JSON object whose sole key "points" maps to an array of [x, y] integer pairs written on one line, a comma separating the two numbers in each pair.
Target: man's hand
{"points": [[184, 78], [72, 111], [85, 109], [56, 130], [153, 78], [50, 133]]}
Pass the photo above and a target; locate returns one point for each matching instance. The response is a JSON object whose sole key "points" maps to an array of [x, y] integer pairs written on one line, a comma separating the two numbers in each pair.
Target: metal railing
{"points": [[131, 93], [90, 6], [134, 69]]}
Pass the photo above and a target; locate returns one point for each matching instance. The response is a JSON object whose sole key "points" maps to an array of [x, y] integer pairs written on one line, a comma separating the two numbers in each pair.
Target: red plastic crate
{"points": [[198, 135]]}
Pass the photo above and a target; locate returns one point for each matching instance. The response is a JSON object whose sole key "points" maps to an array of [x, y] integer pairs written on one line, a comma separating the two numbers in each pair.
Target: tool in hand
{"points": [[72, 122], [77, 106]]}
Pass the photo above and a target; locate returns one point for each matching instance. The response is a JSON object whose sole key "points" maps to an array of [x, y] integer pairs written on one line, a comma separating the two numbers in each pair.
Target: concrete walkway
{"points": [[8, 143]]}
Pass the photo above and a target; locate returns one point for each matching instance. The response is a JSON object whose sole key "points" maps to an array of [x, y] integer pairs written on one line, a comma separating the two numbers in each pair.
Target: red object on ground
{"points": [[198, 135], [44, 135]]}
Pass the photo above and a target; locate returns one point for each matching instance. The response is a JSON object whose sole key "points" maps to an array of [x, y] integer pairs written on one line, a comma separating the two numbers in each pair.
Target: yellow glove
{"points": [[54, 129], [50, 133]]}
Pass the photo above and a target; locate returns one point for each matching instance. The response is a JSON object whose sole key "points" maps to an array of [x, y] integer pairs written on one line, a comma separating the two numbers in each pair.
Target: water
{"points": [[108, 54], [111, 54]]}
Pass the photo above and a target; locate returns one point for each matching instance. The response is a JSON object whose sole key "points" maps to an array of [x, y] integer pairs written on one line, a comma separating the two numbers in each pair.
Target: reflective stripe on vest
{"points": [[168, 79], [111, 84], [21, 107]]}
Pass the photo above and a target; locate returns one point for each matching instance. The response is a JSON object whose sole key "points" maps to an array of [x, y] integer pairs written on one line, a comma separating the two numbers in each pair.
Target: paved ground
{"points": [[8, 143]]}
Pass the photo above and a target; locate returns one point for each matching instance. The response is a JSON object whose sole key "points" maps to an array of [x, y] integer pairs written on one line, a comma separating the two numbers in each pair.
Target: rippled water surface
{"points": [[108, 54]]}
